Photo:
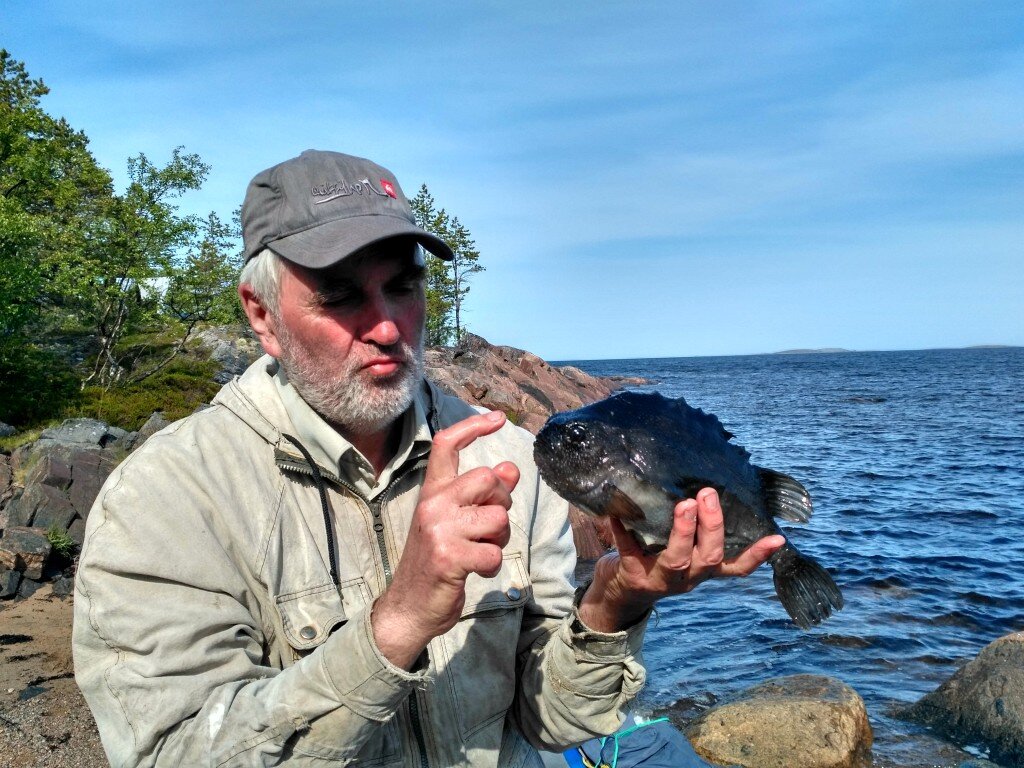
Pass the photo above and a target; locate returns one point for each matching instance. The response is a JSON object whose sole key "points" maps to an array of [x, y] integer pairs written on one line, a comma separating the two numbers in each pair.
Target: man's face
{"points": [[351, 335]]}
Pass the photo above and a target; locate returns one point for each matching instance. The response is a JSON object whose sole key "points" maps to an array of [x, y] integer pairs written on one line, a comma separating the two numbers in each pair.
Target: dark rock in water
{"points": [[809, 721], [983, 703], [865, 399]]}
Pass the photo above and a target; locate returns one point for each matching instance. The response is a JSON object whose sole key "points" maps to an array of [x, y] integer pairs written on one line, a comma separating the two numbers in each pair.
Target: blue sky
{"points": [[641, 178]]}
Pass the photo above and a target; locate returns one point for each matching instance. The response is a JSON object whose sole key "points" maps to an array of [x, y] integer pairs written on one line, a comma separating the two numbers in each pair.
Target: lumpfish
{"points": [[634, 455]]}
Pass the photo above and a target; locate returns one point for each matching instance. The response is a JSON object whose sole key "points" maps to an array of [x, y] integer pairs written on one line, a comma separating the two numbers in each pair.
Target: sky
{"points": [[642, 179]]}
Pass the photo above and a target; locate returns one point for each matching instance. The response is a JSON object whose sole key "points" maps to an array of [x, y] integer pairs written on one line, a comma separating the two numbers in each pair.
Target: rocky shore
{"points": [[47, 488]]}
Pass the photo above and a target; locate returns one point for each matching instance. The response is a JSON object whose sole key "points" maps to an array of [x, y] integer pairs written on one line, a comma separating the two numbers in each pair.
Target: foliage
{"points": [[76, 256], [35, 384], [117, 285], [176, 390], [447, 281], [60, 541]]}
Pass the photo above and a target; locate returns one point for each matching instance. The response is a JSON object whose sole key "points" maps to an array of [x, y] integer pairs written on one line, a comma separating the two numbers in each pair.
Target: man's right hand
{"points": [[459, 527]]}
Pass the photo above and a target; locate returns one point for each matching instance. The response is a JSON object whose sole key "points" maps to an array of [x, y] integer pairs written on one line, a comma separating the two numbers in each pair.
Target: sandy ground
{"points": [[44, 721]]}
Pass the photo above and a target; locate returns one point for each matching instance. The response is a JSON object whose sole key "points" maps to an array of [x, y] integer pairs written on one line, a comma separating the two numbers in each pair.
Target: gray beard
{"points": [[349, 399]]}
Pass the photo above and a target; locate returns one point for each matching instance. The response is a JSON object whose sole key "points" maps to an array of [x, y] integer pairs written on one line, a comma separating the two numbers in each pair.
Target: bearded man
{"points": [[336, 563]]}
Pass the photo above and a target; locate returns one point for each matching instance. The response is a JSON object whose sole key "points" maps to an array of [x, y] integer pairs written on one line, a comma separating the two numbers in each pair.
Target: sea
{"points": [[915, 464]]}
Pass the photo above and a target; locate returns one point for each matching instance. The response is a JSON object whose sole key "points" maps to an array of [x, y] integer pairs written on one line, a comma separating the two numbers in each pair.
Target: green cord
{"points": [[617, 736]]}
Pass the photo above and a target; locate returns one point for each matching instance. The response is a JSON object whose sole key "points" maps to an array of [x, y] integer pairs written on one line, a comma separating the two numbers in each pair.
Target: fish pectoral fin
{"points": [[622, 506], [785, 498]]}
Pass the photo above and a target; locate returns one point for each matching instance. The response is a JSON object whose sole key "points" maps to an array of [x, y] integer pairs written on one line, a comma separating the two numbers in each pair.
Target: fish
{"points": [[633, 456]]}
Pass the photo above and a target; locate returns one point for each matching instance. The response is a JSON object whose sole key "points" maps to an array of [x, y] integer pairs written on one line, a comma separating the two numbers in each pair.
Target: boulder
{"points": [[6, 481], [42, 506], [6, 430], [524, 386], [982, 703], [233, 348], [89, 470], [24, 549], [809, 721], [87, 433], [9, 582]]}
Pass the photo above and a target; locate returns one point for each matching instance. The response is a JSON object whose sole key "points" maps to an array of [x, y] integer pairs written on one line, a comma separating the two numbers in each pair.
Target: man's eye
{"points": [[340, 300], [404, 287]]}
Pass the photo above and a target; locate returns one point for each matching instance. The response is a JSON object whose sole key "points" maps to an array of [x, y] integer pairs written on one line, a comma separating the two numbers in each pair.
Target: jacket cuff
{"points": [[366, 682], [590, 645]]}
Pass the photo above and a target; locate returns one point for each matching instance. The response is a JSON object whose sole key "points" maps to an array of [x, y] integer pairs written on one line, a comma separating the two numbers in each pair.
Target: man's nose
{"points": [[380, 326]]}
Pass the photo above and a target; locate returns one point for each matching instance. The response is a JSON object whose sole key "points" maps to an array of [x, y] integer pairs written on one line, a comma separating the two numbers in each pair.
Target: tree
{"points": [[463, 267], [136, 251], [447, 281], [201, 286], [440, 327], [50, 190]]}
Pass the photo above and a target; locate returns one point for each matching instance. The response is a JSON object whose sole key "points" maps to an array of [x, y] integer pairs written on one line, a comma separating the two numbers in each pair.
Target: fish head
{"points": [[576, 453]]}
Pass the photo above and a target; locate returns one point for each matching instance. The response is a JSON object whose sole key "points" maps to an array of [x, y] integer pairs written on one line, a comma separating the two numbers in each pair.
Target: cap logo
{"points": [[389, 188], [334, 190]]}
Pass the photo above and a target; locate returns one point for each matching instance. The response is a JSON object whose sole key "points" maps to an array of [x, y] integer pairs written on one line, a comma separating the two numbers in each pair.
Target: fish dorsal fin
{"points": [[785, 497], [621, 505], [711, 423]]}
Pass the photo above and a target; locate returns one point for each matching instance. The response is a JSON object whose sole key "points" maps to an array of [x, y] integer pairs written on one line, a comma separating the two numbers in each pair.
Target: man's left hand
{"points": [[628, 582]]}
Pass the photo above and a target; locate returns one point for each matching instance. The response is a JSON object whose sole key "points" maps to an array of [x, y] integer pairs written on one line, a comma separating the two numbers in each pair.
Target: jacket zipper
{"points": [[286, 462]]}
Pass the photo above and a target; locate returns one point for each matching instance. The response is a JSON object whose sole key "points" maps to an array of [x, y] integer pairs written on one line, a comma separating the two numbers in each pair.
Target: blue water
{"points": [[915, 463]]}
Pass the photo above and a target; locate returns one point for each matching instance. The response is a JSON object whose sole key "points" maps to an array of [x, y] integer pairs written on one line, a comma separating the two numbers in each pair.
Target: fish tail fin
{"points": [[784, 497], [807, 591]]}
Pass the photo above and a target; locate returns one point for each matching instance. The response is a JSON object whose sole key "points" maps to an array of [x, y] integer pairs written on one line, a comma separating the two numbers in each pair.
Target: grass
{"points": [[61, 543]]}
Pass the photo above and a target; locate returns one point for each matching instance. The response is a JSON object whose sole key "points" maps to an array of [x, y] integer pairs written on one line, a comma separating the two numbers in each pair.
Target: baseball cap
{"points": [[320, 207]]}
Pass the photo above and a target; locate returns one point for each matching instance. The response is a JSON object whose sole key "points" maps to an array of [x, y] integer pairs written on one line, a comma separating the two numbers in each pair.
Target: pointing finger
{"points": [[444, 454], [508, 473]]}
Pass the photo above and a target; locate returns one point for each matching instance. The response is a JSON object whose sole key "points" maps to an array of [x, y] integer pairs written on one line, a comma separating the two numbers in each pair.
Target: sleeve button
{"points": [[307, 633]]}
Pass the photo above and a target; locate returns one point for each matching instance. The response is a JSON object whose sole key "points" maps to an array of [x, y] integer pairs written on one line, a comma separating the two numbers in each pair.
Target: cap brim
{"points": [[329, 243]]}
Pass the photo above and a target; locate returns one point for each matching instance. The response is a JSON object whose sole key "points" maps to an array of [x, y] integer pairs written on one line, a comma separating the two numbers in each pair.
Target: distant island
{"points": [[822, 350], [830, 350]]}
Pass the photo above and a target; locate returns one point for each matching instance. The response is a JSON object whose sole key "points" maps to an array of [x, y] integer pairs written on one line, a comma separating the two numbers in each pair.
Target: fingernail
{"points": [[711, 499], [495, 416]]}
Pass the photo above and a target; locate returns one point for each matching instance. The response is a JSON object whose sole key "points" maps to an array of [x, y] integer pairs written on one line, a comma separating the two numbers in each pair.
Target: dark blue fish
{"points": [[634, 455]]}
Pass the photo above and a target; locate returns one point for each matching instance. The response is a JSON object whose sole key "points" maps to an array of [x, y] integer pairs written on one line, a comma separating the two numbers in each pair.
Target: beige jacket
{"points": [[208, 630]]}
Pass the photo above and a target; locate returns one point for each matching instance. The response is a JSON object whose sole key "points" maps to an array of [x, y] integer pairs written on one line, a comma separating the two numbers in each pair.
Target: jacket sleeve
{"points": [[170, 651], [575, 683]]}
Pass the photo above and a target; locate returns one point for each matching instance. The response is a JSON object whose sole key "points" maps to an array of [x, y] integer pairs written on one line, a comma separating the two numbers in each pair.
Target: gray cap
{"points": [[320, 207]]}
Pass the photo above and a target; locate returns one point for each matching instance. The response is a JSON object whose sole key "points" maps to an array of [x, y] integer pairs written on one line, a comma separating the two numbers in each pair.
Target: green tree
{"points": [[116, 285], [51, 189], [440, 325], [447, 281], [462, 268]]}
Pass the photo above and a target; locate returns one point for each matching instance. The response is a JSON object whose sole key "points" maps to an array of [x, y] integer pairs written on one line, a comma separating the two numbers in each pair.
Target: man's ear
{"points": [[263, 322]]}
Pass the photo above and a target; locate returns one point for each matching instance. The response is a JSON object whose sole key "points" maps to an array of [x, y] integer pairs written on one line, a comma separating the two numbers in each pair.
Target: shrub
{"points": [[62, 544]]}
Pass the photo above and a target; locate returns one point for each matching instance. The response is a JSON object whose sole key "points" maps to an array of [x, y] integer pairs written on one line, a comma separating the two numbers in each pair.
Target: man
{"points": [[336, 563]]}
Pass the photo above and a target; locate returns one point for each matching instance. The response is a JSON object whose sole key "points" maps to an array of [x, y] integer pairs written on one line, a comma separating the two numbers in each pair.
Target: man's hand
{"points": [[459, 527], [628, 582]]}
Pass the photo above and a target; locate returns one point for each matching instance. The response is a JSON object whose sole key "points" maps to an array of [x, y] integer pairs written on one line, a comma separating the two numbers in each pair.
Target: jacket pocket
{"points": [[308, 618], [480, 651]]}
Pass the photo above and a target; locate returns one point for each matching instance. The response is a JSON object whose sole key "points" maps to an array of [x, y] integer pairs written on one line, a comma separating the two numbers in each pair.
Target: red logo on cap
{"points": [[388, 187]]}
